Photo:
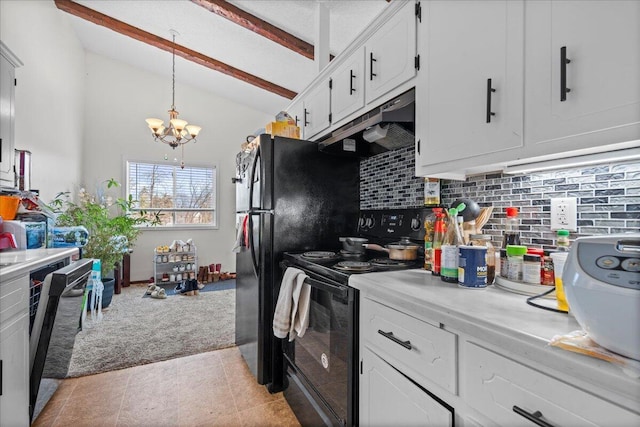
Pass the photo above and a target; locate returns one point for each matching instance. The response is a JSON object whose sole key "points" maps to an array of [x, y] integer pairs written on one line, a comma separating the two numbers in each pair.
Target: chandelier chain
{"points": [[173, 78]]}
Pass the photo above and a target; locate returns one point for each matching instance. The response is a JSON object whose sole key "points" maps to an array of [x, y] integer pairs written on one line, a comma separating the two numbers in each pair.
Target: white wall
{"points": [[49, 95], [118, 100]]}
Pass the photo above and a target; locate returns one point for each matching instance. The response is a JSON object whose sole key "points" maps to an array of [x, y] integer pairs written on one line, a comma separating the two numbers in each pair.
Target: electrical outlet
{"points": [[564, 214]]}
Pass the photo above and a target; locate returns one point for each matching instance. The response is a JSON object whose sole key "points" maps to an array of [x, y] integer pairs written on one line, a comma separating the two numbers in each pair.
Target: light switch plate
{"points": [[564, 214]]}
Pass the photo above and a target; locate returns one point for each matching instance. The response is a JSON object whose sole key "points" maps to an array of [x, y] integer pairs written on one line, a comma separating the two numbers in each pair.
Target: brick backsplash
{"points": [[387, 181], [608, 195]]}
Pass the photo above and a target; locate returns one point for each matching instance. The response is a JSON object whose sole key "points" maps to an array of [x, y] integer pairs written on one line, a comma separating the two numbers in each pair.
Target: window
{"points": [[182, 197]]}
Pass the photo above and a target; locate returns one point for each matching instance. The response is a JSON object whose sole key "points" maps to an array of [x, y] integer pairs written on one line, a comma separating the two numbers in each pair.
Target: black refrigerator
{"points": [[290, 197]]}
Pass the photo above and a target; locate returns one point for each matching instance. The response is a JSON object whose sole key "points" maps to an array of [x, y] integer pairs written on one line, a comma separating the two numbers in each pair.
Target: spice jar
{"points": [[504, 264], [531, 269], [515, 254], [485, 241]]}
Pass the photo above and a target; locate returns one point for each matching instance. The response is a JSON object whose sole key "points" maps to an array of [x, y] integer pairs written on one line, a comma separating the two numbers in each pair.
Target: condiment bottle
{"points": [[439, 229], [547, 276], [431, 191], [485, 240], [562, 241], [429, 232], [515, 254], [452, 240], [511, 234]]}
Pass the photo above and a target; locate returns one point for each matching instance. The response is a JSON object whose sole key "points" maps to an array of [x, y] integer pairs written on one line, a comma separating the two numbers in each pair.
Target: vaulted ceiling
{"points": [[255, 52]]}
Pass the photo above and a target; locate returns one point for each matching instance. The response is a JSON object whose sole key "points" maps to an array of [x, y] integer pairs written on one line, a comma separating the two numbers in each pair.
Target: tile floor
{"points": [[208, 389]]}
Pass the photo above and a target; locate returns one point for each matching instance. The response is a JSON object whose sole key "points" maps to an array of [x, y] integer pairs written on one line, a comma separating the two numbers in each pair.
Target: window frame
{"points": [[216, 219]]}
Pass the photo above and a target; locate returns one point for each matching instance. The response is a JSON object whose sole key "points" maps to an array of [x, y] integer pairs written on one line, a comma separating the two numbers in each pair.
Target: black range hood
{"points": [[388, 127]]}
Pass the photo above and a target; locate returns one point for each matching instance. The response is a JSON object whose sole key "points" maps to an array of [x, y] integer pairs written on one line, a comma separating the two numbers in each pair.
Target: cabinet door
{"points": [[7, 89], [601, 105], [469, 99], [296, 110], [317, 110], [14, 352], [390, 54], [388, 398], [347, 92]]}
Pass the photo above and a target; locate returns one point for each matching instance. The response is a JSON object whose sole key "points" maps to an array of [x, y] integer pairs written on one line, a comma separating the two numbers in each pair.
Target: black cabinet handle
{"points": [[297, 120], [351, 89], [371, 61], [490, 90], [405, 344], [535, 418], [563, 74], [305, 117]]}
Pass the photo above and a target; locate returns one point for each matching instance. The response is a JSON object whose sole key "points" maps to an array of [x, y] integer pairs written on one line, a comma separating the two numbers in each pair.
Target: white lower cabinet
{"points": [[388, 398], [416, 370], [423, 351], [512, 394], [14, 352]]}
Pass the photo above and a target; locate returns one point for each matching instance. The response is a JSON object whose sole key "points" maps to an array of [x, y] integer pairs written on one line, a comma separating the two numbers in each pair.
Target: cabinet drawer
{"points": [[14, 298], [495, 385], [388, 398], [423, 352]]}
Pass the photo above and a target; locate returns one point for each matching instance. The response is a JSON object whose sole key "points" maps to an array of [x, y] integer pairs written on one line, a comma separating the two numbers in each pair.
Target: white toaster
{"points": [[602, 283]]}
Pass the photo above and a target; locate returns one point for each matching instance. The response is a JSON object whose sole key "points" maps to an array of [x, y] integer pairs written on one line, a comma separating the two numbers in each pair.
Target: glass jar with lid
{"points": [[485, 241]]}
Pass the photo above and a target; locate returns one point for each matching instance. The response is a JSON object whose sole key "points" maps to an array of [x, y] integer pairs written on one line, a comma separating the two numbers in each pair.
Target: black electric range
{"points": [[378, 226], [321, 383]]}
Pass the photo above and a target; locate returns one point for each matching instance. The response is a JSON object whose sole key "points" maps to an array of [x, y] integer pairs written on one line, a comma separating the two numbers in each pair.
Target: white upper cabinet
{"points": [[296, 111], [469, 96], [347, 90], [8, 64], [583, 74], [391, 54], [317, 108]]}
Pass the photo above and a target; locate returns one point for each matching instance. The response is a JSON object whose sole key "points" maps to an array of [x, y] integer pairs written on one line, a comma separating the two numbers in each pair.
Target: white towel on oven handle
{"points": [[287, 306], [300, 311]]}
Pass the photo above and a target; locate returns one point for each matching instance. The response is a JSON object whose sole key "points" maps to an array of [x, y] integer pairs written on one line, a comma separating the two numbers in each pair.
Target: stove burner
{"points": [[354, 266], [352, 255], [319, 255], [387, 262]]}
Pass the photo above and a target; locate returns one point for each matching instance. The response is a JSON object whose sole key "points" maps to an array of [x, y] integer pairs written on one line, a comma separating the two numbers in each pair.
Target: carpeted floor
{"points": [[136, 331]]}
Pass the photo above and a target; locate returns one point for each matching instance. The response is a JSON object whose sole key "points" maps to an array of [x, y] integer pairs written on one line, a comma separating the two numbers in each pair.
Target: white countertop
{"points": [[499, 317], [17, 262]]}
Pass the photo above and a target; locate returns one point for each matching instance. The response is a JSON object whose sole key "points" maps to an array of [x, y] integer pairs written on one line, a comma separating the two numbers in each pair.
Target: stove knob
{"points": [[416, 224], [370, 222], [361, 223]]}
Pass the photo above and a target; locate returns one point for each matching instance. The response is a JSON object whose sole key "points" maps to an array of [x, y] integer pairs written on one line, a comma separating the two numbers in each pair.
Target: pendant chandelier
{"points": [[179, 132]]}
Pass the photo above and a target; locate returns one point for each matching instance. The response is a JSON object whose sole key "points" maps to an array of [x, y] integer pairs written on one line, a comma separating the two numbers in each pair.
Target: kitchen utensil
{"points": [[353, 244], [601, 284], [471, 210], [403, 250], [483, 217]]}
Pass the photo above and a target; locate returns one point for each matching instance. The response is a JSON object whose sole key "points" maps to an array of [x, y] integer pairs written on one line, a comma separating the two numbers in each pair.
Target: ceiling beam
{"points": [[258, 26], [167, 45]]}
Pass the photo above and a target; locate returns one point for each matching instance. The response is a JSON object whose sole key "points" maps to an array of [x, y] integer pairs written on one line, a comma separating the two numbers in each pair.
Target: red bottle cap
{"points": [[512, 211]]}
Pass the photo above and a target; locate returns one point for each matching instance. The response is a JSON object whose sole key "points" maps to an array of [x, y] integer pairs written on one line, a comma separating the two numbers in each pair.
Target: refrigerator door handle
{"points": [[254, 260], [252, 180]]}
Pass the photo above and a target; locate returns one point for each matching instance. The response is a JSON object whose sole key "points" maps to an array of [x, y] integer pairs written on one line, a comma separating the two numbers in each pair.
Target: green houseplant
{"points": [[113, 228]]}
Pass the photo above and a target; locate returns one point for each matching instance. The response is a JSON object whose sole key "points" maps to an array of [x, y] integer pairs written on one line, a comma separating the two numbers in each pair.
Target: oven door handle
{"points": [[335, 290]]}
